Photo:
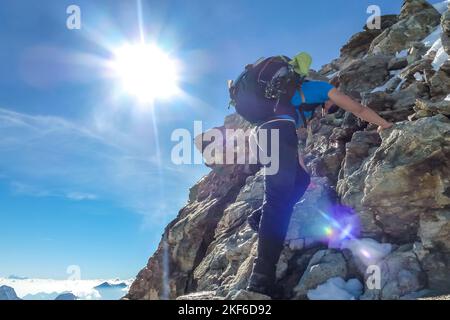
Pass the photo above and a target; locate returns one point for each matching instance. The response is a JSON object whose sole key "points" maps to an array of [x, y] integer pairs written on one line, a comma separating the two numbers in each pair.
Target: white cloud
{"points": [[19, 188], [80, 196], [49, 288], [50, 156]]}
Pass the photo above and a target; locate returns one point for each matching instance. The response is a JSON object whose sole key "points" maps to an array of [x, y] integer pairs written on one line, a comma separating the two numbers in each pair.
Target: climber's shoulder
{"points": [[316, 91]]}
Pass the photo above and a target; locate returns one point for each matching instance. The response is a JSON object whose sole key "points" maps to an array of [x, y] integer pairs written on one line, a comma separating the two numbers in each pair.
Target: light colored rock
{"points": [[434, 229], [433, 108], [8, 293], [397, 184], [365, 74], [445, 37], [401, 275], [324, 265], [203, 295], [417, 19], [246, 295], [402, 171], [440, 81], [306, 221]]}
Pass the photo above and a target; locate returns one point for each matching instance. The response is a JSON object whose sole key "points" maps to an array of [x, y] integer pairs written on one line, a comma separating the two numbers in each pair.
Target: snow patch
{"points": [[441, 57], [402, 54], [369, 251], [441, 6], [433, 37], [387, 85], [418, 76], [447, 98], [400, 85], [331, 76], [337, 289]]}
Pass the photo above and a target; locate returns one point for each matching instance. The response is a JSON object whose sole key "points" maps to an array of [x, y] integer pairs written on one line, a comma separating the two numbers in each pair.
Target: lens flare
{"points": [[365, 253], [328, 231], [340, 223]]}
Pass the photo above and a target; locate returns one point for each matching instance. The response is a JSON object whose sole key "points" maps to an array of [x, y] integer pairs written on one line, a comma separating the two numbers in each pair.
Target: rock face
{"points": [[417, 19], [8, 293], [66, 296], [387, 195], [445, 23]]}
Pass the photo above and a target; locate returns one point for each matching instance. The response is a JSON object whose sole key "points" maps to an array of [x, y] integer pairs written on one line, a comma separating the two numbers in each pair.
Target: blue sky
{"points": [[81, 181]]}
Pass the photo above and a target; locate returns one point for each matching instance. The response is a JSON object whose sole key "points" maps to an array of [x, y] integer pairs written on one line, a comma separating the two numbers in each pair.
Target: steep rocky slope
{"points": [[397, 184]]}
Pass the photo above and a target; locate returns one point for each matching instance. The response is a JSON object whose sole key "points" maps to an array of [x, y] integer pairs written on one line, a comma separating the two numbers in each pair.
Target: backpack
{"points": [[262, 87]]}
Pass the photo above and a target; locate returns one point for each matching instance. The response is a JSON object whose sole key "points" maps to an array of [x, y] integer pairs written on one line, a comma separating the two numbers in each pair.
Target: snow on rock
{"points": [[447, 98], [418, 76], [441, 57], [441, 6], [391, 82], [402, 54], [337, 289], [435, 41], [369, 251], [433, 37]]}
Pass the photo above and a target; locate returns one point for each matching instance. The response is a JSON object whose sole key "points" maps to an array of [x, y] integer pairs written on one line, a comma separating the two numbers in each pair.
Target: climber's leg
{"points": [[282, 191]]}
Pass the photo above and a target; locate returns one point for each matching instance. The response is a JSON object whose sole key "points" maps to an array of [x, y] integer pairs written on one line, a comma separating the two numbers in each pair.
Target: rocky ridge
{"points": [[396, 183]]}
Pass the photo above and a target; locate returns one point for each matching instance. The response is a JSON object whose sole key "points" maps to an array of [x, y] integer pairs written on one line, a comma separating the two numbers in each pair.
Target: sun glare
{"points": [[146, 72]]}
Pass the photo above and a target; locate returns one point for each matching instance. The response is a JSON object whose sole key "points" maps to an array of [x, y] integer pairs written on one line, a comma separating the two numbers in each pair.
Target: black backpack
{"points": [[262, 87]]}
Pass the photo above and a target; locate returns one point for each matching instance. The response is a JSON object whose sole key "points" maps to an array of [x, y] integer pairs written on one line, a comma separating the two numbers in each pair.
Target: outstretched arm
{"points": [[362, 112]]}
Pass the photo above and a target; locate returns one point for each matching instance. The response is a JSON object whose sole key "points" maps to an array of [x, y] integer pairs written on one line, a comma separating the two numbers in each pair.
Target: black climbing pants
{"points": [[281, 192]]}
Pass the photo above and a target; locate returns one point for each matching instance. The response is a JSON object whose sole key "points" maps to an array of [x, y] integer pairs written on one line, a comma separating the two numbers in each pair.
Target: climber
{"points": [[274, 95]]}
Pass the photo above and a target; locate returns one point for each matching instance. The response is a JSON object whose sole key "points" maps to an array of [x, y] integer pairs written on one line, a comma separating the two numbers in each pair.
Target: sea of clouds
{"points": [[49, 289]]}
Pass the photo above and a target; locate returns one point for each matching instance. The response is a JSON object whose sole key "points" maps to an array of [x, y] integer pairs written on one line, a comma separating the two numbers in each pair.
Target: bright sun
{"points": [[146, 72]]}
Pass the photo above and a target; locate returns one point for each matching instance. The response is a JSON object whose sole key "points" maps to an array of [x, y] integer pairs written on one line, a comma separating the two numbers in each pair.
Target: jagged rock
{"points": [[417, 19], [358, 45], [324, 149], [66, 296], [412, 7], [445, 37], [397, 63], [440, 82], [437, 267], [230, 256], [433, 108], [434, 229], [246, 295], [397, 184], [402, 178], [325, 264], [363, 144], [203, 295], [8, 293], [379, 101], [365, 74], [316, 76], [397, 106], [401, 275], [416, 52], [351, 178], [422, 66], [186, 239], [304, 231]]}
